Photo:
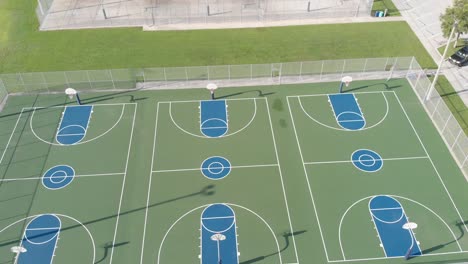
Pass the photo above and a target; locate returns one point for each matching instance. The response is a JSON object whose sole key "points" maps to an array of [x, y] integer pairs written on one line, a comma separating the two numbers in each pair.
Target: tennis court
{"points": [[270, 174]]}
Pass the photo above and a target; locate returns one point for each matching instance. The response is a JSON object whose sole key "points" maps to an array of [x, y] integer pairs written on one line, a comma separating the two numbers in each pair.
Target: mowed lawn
{"points": [[25, 49]]}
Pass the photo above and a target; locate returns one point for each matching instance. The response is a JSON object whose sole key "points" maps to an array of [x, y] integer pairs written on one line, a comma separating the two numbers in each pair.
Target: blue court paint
{"points": [[216, 168], [367, 160], [347, 112], [74, 123], [40, 240], [213, 118], [58, 177], [389, 217], [218, 235]]}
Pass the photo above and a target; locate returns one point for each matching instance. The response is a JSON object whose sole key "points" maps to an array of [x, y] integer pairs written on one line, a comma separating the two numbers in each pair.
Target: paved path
{"points": [[423, 18]]}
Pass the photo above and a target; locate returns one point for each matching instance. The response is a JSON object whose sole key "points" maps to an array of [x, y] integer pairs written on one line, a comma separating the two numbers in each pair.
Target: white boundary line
{"points": [[149, 184], [123, 184], [232, 167], [81, 142], [11, 136], [349, 161], [83, 175], [432, 163], [281, 178], [307, 179]]}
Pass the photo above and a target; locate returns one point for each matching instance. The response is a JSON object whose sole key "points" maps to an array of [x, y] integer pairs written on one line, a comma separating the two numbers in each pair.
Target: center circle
{"points": [[58, 177], [215, 168], [366, 160]]}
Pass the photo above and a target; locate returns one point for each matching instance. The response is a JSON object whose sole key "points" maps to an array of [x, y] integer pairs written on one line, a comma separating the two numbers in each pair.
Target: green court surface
{"points": [[139, 189]]}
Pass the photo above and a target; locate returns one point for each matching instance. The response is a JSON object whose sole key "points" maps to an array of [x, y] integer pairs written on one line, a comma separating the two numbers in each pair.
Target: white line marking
{"points": [[123, 184], [307, 179], [232, 167], [432, 163], [384, 209], [11, 136], [149, 185], [282, 182], [348, 161], [65, 176], [217, 217]]}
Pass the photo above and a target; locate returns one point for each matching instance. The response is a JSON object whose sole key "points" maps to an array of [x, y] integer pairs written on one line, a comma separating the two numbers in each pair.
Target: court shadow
{"points": [[461, 227], [387, 87], [260, 93], [286, 236], [108, 246]]}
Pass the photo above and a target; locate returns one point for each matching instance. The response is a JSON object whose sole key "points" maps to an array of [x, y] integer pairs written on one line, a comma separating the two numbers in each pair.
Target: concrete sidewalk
{"points": [[423, 18]]}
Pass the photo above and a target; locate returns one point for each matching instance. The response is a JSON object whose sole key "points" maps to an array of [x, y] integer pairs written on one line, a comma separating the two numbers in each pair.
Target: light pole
{"points": [[436, 76]]}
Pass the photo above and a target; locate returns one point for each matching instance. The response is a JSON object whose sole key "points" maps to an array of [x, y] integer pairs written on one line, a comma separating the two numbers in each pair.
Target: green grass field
{"points": [[139, 188], [24, 49], [381, 5]]}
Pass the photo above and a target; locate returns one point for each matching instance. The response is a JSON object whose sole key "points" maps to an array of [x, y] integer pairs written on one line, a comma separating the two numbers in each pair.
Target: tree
{"points": [[457, 12]]}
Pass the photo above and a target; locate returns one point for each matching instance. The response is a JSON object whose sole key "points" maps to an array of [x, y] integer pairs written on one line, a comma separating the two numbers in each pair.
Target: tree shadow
{"points": [[286, 236]]}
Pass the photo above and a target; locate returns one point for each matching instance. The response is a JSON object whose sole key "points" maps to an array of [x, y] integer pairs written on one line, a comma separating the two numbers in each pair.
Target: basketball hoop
{"points": [[70, 92], [218, 237], [212, 87], [347, 80], [18, 249], [410, 226]]}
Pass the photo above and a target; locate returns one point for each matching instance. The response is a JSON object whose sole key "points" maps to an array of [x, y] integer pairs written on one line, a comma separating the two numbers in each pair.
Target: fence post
{"points": [[22, 81], [89, 80], [342, 70], [365, 65], [321, 71], [456, 139], [446, 123], [186, 74], [435, 108], [66, 79], [300, 70], [229, 72], [208, 72], [45, 82], [251, 66], [112, 79], [279, 72]]}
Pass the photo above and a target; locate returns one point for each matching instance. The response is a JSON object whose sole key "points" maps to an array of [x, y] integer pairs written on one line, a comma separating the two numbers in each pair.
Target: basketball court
{"points": [[292, 174]]}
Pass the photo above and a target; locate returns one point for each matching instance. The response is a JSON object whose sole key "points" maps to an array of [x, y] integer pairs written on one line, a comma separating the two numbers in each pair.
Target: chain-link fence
{"points": [[250, 75], [441, 116], [3, 94], [68, 14]]}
